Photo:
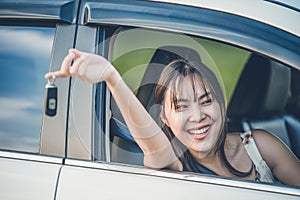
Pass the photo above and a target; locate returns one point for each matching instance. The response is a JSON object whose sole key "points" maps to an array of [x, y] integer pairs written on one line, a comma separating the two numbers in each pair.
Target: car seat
{"points": [[260, 99], [293, 107]]}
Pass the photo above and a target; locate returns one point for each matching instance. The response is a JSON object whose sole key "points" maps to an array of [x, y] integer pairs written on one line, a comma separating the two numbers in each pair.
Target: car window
{"points": [[24, 59], [244, 75]]}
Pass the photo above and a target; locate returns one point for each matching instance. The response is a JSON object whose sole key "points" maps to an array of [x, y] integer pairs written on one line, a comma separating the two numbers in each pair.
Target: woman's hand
{"points": [[88, 67]]}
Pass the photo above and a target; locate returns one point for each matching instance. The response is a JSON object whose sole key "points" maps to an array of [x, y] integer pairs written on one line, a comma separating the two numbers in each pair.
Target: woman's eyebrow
{"points": [[204, 95], [201, 97], [182, 100]]}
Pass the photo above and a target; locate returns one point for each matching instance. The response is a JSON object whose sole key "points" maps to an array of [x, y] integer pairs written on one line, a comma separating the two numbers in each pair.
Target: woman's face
{"points": [[195, 118]]}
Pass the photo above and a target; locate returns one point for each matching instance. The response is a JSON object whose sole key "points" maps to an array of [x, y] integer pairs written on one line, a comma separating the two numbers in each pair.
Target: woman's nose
{"points": [[197, 114]]}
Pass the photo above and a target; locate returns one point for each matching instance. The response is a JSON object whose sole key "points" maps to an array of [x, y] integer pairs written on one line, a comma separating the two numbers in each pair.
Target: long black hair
{"points": [[174, 73]]}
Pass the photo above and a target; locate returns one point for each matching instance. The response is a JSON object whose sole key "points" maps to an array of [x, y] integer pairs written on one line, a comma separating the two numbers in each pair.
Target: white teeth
{"points": [[200, 131]]}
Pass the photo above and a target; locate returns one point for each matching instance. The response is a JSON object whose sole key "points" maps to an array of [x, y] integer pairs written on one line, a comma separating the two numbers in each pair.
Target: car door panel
{"points": [[28, 176], [108, 181]]}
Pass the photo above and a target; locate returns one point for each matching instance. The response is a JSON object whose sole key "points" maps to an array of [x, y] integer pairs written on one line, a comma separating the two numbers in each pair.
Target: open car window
{"points": [[139, 55]]}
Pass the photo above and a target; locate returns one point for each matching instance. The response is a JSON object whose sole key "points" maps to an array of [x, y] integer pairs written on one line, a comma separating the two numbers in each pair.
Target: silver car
{"points": [[86, 152]]}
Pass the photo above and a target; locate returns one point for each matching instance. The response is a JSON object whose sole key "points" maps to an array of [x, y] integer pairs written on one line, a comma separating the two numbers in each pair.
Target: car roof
{"points": [[283, 14]]}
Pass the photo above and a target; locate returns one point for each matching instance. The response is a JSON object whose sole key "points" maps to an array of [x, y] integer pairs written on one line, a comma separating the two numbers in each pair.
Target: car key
{"points": [[51, 97]]}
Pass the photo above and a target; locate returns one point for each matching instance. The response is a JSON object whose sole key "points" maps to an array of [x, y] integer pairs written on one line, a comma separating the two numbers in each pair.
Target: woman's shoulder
{"points": [[266, 142], [270, 146], [261, 138], [265, 139]]}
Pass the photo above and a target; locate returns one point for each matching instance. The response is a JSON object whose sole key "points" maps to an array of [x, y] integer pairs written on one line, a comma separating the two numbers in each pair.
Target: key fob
{"points": [[51, 98]]}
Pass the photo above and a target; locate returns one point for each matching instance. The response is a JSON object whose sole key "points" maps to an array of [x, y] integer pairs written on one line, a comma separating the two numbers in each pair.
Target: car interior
{"points": [[260, 101], [265, 97]]}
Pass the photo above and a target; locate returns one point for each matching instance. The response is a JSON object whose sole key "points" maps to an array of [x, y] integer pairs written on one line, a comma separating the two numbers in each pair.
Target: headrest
{"points": [[262, 91], [293, 105], [295, 87]]}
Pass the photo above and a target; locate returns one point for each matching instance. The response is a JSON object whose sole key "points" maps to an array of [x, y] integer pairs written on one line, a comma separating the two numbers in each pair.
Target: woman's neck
{"points": [[211, 161], [235, 154]]}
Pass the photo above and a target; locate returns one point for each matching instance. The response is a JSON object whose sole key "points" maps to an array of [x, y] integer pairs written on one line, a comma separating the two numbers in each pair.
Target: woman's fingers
{"points": [[64, 69], [66, 64], [85, 66], [76, 53], [56, 74], [49, 75], [75, 69]]}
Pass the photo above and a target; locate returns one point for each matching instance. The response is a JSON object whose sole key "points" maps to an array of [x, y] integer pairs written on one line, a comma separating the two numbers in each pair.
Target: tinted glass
{"points": [[24, 59], [260, 92]]}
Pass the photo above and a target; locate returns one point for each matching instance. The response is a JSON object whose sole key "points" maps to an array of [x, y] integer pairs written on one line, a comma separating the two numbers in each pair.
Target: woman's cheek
{"points": [[178, 124]]}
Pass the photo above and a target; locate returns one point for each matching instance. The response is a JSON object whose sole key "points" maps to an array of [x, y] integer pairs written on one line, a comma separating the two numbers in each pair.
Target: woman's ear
{"points": [[163, 117]]}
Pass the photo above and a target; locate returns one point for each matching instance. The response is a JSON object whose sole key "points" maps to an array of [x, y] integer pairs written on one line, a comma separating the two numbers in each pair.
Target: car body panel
{"points": [[81, 117], [53, 130], [125, 182], [28, 176]]}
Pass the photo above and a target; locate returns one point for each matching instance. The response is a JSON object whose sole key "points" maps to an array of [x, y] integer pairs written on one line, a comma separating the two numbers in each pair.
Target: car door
{"points": [[34, 37], [99, 164]]}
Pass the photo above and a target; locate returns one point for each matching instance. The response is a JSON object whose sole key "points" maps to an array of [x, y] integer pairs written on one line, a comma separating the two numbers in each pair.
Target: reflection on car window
{"points": [[24, 57], [261, 93]]}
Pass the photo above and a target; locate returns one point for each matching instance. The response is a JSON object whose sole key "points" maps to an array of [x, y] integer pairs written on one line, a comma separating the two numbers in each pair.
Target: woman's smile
{"points": [[200, 133]]}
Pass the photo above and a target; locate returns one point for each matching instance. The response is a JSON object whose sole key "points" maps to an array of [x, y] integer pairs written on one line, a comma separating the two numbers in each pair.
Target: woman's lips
{"points": [[200, 133]]}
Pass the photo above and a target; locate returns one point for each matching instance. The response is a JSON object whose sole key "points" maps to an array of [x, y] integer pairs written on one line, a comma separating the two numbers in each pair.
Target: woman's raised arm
{"points": [[149, 136]]}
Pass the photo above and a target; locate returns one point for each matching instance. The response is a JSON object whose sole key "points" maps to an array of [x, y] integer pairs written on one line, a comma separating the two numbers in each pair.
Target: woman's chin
{"points": [[200, 149]]}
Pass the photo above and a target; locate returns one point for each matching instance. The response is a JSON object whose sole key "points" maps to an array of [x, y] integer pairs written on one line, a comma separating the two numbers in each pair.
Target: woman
{"points": [[193, 134]]}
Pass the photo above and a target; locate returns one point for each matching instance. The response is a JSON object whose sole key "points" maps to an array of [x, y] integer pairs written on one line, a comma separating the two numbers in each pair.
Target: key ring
{"points": [[52, 79]]}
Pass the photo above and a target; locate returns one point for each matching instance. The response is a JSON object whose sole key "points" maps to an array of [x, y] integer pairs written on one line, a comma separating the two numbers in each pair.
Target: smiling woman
{"points": [[24, 53], [189, 96]]}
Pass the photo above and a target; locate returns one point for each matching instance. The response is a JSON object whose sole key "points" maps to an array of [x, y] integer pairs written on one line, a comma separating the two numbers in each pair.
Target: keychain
{"points": [[51, 97]]}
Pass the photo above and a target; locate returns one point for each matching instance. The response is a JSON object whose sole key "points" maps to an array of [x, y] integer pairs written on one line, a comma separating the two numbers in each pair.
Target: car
{"points": [[84, 149]]}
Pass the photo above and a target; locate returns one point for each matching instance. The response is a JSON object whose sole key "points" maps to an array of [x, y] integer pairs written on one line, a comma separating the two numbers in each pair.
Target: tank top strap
{"points": [[263, 171]]}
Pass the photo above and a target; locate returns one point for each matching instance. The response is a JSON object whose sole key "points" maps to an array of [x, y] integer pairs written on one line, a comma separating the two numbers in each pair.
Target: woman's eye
{"points": [[206, 102], [181, 107]]}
